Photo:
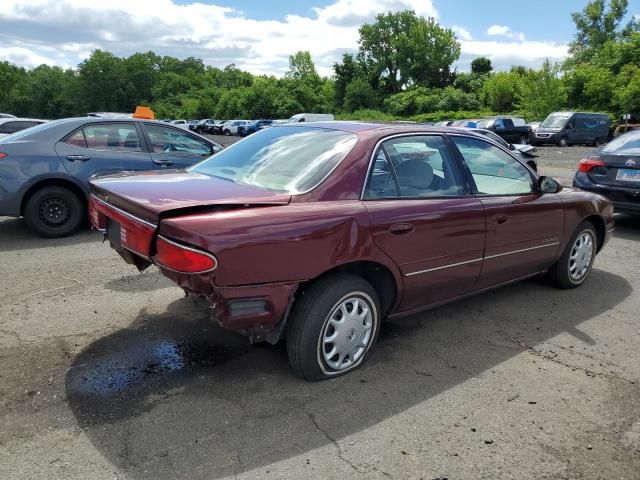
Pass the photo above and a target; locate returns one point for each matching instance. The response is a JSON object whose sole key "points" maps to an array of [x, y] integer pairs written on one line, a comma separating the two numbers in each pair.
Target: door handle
{"points": [[163, 162], [500, 219], [401, 228], [78, 158]]}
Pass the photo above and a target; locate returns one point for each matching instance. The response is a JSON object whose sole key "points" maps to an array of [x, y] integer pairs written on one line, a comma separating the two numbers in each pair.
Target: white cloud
{"points": [[504, 31], [505, 54], [64, 32], [461, 32]]}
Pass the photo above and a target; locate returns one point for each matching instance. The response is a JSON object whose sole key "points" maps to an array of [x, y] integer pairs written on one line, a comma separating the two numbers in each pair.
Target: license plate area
{"points": [[628, 175], [113, 234]]}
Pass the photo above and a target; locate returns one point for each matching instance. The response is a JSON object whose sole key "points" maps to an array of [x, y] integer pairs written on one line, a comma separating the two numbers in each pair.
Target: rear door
{"points": [[524, 227], [425, 218], [173, 147], [103, 148]]}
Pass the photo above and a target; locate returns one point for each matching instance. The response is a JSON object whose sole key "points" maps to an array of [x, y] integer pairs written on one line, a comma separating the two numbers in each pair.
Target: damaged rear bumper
{"points": [[258, 311]]}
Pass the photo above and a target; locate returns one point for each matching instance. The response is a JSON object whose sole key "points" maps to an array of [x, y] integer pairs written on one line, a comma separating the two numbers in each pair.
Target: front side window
{"points": [[106, 136], [286, 160], [494, 171], [169, 140], [414, 167]]}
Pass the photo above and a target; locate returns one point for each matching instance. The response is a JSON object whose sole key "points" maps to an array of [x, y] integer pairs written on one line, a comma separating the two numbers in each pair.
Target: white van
{"points": [[311, 117]]}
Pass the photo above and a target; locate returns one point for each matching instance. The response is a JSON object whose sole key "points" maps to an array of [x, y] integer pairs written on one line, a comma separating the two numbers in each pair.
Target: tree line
{"points": [[402, 69]]}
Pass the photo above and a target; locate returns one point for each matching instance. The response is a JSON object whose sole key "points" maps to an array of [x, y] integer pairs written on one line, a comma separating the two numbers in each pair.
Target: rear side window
{"points": [[494, 171], [414, 167], [106, 136]]}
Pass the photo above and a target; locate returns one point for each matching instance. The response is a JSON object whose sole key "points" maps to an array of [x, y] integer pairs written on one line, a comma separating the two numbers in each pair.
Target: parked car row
{"points": [[243, 128]]}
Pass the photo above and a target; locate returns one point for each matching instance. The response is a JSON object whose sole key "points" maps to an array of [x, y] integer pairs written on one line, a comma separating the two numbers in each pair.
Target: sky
{"points": [[259, 35]]}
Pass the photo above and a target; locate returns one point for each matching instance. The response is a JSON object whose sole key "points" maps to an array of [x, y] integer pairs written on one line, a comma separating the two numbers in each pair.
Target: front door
{"points": [[425, 219], [524, 227], [103, 148], [173, 147]]}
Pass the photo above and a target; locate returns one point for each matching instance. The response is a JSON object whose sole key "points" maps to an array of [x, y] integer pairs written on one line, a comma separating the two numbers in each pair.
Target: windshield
{"points": [[627, 144], [28, 131], [285, 159], [555, 120]]}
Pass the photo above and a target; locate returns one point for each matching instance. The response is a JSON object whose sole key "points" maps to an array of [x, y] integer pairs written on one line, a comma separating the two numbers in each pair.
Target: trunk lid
{"points": [[619, 170], [130, 207], [151, 196]]}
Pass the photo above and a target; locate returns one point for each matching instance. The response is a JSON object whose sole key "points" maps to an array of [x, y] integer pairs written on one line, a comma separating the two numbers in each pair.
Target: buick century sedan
{"points": [[315, 233]]}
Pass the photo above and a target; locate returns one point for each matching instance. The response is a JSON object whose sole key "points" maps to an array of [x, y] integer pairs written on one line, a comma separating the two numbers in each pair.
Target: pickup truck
{"points": [[505, 128]]}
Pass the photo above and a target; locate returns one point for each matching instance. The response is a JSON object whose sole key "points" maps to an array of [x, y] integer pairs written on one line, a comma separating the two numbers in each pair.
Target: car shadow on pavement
{"points": [[174, 396], [14, 235], [627, 227]]}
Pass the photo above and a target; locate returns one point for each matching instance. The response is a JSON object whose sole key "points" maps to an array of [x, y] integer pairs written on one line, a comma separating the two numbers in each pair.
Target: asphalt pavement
{"points": [[106, 373]]}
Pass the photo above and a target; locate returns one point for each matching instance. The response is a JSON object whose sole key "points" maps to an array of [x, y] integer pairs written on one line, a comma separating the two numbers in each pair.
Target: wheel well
{"points": [[600, 226], [379, 276], [53, 182]]}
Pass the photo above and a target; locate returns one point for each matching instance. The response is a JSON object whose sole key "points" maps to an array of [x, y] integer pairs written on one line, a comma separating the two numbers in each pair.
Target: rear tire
{"points": [[338, 313], [54, 212], [574, 266]]}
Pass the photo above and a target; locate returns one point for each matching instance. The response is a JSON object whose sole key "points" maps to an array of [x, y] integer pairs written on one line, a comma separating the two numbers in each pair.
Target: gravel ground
{"points": [[110, 374]]}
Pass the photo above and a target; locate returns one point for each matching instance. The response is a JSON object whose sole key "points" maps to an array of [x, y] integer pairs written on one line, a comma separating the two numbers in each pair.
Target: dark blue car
{"points": [[253, 127], [45, 170]]}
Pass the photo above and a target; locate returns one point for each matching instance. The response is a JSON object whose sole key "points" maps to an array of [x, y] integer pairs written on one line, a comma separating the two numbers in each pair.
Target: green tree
{"points": [[302, 69], [481, 66], [541, 92], [403, 49], [500, 91], [359, 95], [595, 25]]}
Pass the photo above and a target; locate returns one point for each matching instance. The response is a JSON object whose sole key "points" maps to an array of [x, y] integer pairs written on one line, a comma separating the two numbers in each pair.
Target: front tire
{"points": [[54, 212], [563, 142], [333, 326], [574, 266]]}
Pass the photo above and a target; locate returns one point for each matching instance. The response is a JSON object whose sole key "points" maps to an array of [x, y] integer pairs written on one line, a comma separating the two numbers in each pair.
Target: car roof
{"points": [[355, 127]]}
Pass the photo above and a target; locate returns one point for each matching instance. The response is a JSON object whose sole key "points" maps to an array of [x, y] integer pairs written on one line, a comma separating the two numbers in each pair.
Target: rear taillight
{"points": [[3, 155], [183, 259], [587, 164]]}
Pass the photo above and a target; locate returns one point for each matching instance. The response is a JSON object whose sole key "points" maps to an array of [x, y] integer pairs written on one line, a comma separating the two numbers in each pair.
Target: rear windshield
{"points": [[627, 144], [555, 120], [289, 160], [28, 131]]}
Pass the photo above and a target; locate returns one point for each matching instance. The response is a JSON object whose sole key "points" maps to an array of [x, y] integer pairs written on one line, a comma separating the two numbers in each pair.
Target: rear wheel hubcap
{"points": [[347, 333]]}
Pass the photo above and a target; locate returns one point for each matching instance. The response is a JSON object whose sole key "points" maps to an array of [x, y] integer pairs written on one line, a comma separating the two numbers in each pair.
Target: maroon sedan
{"points": [[318, 232]]}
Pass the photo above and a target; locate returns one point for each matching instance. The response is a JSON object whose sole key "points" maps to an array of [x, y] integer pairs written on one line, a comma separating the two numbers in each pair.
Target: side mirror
{"points": [[549, 185], [569, 126], [511, 147]]}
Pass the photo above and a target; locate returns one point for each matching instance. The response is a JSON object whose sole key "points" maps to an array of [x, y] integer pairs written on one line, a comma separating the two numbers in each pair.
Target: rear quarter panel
{"points": [[290, 243], [579, 205]]}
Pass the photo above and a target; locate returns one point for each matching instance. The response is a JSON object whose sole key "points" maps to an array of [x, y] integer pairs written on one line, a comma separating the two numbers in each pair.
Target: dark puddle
{"points": [[131, 368]]}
